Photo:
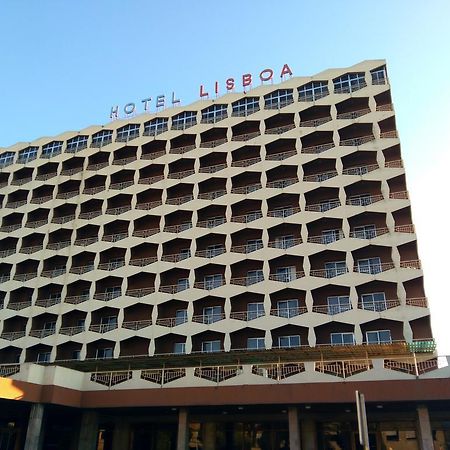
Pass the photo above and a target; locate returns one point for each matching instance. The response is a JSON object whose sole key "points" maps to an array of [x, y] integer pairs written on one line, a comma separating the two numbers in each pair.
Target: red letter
{"points": [[216, 88], [230, 84], [285, 70], [202, 93], [246, 79], [267, 77]]}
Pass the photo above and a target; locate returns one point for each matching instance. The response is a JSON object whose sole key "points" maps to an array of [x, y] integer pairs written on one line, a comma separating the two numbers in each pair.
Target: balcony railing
{"points": [[286, 277], [17, 306], [25, 276], [121, 185], [71, 171], [324, 206], [319, 177], [40, 334], [146, 233], [66, 195], [173, 288], [140, 292], [103, 327], [331, 310], [246, 162], [144, 261], [171, 321], [178, 228], [111, 265], [212, 195], [364, 200], [247, 248], [385, 107], [182, 174], [395, 164], [353, 114], [86, 241], [153, 155], [246, 316], [412, 264], [281, 155], [115, 237], [82, 269], [58, 245], [246, 218], [288, 312], [71, 331], [136, 324], [360, 170], [280, 130], [4, 277], [124, 161], [17, 204], [247, 281], [210, 253], [93, 190], [10, 228], [12, 335], [315, 122], [88, 215], [314, 149], [7, 252], [212, 144], [47, 302], [30, 249], [209, 284], [183, 149], [52, 273], [208, 318], [21, 181], [283, 212], [370, 233], [76, 299], [407, 228], [151, 180], [328, 273], [106, 295], [45, 176], [373, 269], [420, 302], [246, 136], [402, 195], [280, 184], [63, 219], [212, 169], [179, 200], [36, 223], [378, 306], [118, 210], [176, 257], [326, 238], [285, 243], [389, 134], [97, 166], [360, 140]]}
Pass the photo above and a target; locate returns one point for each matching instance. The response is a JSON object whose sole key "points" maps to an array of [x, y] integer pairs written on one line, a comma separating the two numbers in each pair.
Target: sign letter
{"points": [[175, 101], [246, 79], [146, 102], [160, 101], [129, 108], [286, 70], [202, 92], [266, 75], [114, 112], [230, 84]]}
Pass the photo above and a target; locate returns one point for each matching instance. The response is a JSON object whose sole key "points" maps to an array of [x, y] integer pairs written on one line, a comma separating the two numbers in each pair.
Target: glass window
{"points": [[335, 268], [365, 232], [182, 284], [156, 126], [103, 353], [283, 211], [313, 91], [214, 113], [254, 276], [342, 338], [113, 292], [213, 281], [128, 132], [108, 323], [211, 346], [369, 265], [328, 204], [101, 138], [6, 158], [289, 341], [288, 308], [349, 82], [285, 242], [214, 250], [245, 106], [255, 310], [378, 75], [51, 149], [379, 337], [278, 99], [50, 326], [329, 236], [375, 301], [181, 316], [360, 200], [184, 120], [76, 144], [179, 348], [43, 357], [253, 245], [27, 154], [76, 354], [185, 253], [256, 343], [338, 304], [212, 314], [285, 274]]}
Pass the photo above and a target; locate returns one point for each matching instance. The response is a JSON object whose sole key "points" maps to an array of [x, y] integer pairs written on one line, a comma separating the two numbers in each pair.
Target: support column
{"points": [[309, 435], [121, 436], [209, 436], [294, 429], [182, 436], [35, 430], [88, 431], [424, 428]]}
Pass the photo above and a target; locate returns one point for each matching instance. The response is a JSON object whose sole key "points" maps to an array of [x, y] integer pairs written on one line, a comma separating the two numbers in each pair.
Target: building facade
{"points": [[220, 275]]}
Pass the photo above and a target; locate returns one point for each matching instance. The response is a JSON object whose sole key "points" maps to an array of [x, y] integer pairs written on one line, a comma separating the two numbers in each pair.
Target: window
{"points": [[101, 138], [375, 301], [108, 323], [255, 310], [349, 82], [213, 281], [288, 308], [156, 126], [256, 343], [214, 113], [211, 346], [245, 106], [333, 269], [113, 292], [253, 245], [184, 253], [103, 353], [342, 339], [182, 284], [329, 236], [313, 91], [369, 265], [128, 132], [365, 232], [289, 341], [6, 158], [285, 242], [43, 357], [283, 211], [214, 250], [285, 274], [360, 200], [81, 323], [76, 354], [212, 314], [184, 120], [50, 326], [179, 348], [76, 144], [378, 337], [27, 154], [328, 204], [254, 276], [338, 304], [278, 99], [378, 75], [181, 316], [52, 149]]}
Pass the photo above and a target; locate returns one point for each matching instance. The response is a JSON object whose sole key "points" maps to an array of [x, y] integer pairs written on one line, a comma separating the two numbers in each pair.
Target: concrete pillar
{"points": [[425, 435], [294, 429], [35, 430], [121, 436], [182, 436], [88, 431], [309, 435], [209, 436]]}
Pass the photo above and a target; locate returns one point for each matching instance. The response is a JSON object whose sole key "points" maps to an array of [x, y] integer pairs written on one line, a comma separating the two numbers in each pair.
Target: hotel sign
{"points": [[161, 101]]}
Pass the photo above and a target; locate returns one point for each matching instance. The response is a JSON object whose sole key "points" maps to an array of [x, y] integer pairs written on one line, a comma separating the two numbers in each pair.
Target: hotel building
{"points": [[223, 275]]}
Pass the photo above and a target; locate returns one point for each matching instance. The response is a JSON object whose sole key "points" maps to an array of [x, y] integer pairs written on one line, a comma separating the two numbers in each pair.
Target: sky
{"points": [[65, 63]]}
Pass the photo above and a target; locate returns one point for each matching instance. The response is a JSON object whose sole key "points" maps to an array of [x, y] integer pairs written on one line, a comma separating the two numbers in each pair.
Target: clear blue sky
{"points": [[64, 63]]}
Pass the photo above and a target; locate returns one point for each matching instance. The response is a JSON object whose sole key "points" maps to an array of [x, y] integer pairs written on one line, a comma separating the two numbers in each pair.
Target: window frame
{"points": [[343, 335]]}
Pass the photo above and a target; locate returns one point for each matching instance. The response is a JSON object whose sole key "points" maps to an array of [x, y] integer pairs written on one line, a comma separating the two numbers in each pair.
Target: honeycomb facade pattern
{"points": [[277, 218]]}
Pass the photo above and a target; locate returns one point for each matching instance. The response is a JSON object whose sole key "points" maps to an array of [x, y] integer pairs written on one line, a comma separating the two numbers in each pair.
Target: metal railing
{"points": [[173, 288], [118, 210], [93, 190], [385, 107], [381, 305], [246, 136], [280, 156], [246, 316], [153, 155], [146, 233], [326, 238], [360, 140], [183, 149], [246, 218], [280, 184], [52, 273], [176, 257], [58, 245], [115, 237], [285, 243], [402, 195], [121, 185], [25, 276], [281, 129], [370, 233], [319, 177], [420, 302], [106, 295], [246, 162], [136, 324], [353, 114], [12, 335], [246, 189], [124, 161], [177, 228], [90, 214], [247, 281], [17, 204], [103, 327], [179, 175], [247, 248], [412, 264], [315, 122], [71, 331], [209, 284], [373, 269], [286, 277], [213, 169], [111, 265], [314, 149], [17, 306], [40, 334], [364, 200], [10, 228], [396, 164], [149, 205], [360, 170], [63, 219], [212, 195], [179, 200], [283, 212], [86, 241], [36, 223], [288, 312], [151, 180], [208, 318], [212, 144], [97, 166], [328, 273], [210, 253], [76, 299], [30, 249], [389, 134], [47, 302], [144, 261]]}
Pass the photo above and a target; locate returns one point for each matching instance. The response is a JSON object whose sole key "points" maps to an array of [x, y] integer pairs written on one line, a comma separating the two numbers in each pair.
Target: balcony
{"points": [[280, 156], [374, 268], [327, 238], [364, 200], [248, 248], [246, 136], [179, 200], [144, 261], [286, 277], [378, 306], [136, 325], [351, 115], [111, 265], [246, 189], [176, 257], [288, 312], [178, 228], [208, 318], [41, 334], [319, 177], [246, 316], [360, 170], [247, 218], [356, 141], [248, 280], [17, 306], [328, 272], [280, 129], [212, 195], [316, 149], [115, 237], [12, 335], [210, 252], [211, 223], [76, 299], [107, 295], [72, 331], [246, 162], [103, 327], [283, 212], [213, 169], [140, 292]]}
